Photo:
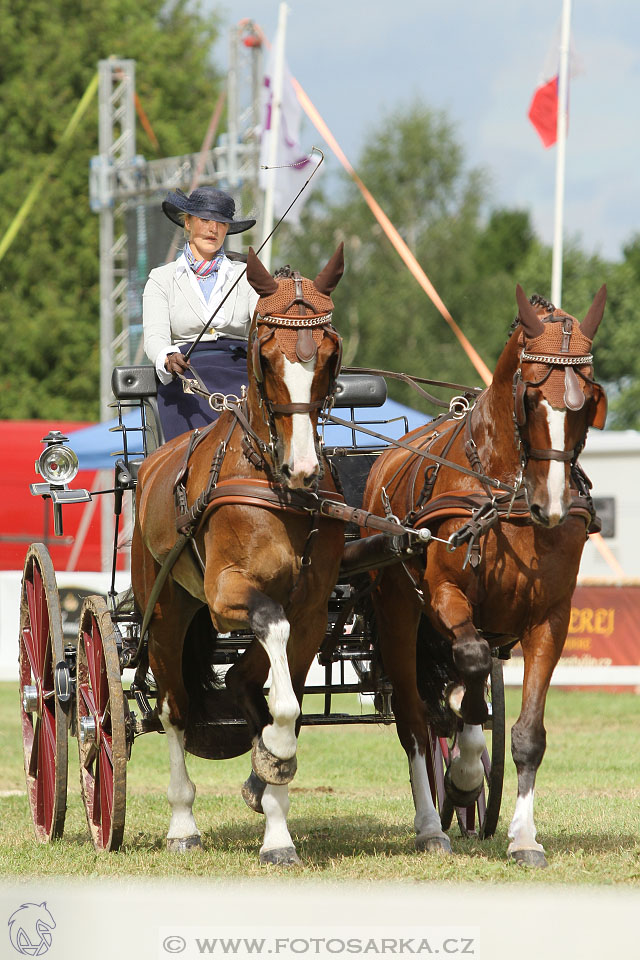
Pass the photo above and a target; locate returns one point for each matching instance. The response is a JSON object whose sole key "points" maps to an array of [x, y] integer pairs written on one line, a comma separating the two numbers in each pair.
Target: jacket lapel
{"points": [[184, 285]]}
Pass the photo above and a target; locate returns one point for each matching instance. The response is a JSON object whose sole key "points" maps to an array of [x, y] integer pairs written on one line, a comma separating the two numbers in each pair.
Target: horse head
{"points": [[294, 361], [556, 400]]}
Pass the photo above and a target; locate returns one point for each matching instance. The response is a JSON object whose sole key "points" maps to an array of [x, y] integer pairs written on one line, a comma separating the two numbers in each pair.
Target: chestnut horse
{"points": [[526, 431], [263, 560]]}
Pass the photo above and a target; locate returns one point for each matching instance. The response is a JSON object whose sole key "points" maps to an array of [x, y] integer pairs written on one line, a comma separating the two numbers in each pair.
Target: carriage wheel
{"points": [[479, 818], [44, 720], [100, 726]]}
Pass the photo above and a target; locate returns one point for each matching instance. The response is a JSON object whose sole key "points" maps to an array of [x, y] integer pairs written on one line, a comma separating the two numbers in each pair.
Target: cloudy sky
{"points": [[480, 62]]}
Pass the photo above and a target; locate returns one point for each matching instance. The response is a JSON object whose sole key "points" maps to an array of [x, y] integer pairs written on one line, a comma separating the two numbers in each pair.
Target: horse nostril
{"points": [[539, 515], [286, 469]]}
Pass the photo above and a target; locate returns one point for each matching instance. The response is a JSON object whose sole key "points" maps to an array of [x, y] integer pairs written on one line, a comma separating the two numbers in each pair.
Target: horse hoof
{"points": [[281, 856], [434, 845], [529, 858], [252, 790], [460, 798], [183, 844], [272, 769]]}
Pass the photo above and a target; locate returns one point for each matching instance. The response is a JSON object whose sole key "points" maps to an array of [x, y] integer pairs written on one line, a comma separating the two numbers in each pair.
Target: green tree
{"points": [[49, 289]]}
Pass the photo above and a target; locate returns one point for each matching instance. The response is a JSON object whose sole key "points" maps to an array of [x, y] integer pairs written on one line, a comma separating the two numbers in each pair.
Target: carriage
{"points": [[101, 688]]}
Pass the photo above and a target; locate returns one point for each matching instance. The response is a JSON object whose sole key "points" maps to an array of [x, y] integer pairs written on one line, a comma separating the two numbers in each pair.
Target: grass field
{"points": [[351, 813]]}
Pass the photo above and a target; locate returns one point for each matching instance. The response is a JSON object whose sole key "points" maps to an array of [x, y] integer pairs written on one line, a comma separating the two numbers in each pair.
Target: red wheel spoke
{"points": [[47, 766], [95, 793], [106, 791], [89, 646], [33, 760], [29, 646], [90, 756], [106, 745], [87, 695], [43, 644]]}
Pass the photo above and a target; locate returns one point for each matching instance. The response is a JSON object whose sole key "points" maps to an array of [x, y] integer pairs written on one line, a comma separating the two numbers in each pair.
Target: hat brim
{"points": [[177, 214]]}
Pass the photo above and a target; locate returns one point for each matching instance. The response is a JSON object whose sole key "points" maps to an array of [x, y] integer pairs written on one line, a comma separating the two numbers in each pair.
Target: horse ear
{"points": [[592, 320], [259, 277], [531, 322], [328, 279]]}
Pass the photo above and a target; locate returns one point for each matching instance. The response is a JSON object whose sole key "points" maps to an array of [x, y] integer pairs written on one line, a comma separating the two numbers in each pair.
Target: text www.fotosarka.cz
{"points": [[432, 941]]}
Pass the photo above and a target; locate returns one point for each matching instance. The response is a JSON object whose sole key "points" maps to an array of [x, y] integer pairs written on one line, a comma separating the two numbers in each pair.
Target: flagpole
{"points": [[274, 132], [561, 142]]}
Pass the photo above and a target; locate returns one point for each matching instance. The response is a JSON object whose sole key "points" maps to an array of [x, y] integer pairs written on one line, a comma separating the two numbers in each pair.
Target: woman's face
{"points": [[205, 236]]}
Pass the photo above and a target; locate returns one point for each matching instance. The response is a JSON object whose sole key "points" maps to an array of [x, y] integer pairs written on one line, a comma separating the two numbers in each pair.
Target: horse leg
{"points": [[307, 631], [167, 630], [183, 832], [398, 614], [529, 738], [471, 652], [465, 774]]}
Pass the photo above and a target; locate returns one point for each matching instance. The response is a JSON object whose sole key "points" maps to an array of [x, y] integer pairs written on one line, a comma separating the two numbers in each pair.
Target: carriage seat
{"points": [[360, 390], [134, 383], [136, 387]]}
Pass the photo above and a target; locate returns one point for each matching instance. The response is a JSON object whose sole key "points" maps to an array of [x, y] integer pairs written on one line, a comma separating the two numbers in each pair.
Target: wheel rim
{"points": [[100, 727], [44, 722]]}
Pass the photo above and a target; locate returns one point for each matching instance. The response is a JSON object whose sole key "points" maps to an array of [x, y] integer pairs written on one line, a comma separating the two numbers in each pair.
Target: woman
{"points": [[183, 297]]}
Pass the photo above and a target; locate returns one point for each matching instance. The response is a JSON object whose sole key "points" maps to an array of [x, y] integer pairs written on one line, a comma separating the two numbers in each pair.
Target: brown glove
{"points": [[176, 363]]}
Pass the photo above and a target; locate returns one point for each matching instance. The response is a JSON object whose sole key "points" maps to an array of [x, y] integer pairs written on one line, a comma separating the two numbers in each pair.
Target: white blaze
{"points": [[556, 475], [298, 378]]}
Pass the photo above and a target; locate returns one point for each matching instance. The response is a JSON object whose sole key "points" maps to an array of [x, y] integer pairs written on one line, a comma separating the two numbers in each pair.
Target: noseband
{"points": [[574, 397]]}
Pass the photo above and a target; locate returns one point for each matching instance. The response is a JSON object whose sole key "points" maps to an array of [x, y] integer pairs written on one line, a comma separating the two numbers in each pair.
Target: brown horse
{"points": [[526, 432], [263, 560]]}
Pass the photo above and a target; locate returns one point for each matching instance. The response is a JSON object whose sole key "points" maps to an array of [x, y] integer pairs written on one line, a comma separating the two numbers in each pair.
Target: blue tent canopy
{"points": [[96, 445]]}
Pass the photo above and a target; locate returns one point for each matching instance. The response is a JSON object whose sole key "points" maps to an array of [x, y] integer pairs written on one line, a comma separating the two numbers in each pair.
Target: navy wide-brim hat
{"points": [[207, 204]]}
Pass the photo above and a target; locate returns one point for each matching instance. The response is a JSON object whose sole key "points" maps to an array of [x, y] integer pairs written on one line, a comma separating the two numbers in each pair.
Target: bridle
{"points": [[574, 396], [306, 348]]}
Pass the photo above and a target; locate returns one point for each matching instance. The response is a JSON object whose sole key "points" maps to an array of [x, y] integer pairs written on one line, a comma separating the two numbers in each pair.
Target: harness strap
{"points": [[551, 454], [493, 482]]}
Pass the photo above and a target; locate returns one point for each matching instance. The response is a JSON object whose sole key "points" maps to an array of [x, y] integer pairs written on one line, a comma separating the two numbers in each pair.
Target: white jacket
{"points": [[174, 309]]}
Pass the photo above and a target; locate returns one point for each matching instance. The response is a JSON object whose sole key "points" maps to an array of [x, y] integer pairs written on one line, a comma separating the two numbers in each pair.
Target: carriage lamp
{"points": [[57, 464]]}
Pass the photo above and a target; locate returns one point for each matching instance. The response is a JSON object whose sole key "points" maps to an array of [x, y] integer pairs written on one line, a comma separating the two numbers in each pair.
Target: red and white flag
{"points": [[543, 111], [295, 165]]}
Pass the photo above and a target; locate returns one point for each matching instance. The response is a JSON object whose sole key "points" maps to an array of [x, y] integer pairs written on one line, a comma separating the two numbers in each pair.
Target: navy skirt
{"points": [[222, 365]]}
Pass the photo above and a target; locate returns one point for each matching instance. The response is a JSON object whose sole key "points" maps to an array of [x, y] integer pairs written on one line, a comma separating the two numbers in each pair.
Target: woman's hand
{"points": [[176, 363]]}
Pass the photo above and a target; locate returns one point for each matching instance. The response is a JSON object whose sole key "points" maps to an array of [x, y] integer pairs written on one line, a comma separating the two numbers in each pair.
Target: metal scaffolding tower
{"points": [[122, 182]]}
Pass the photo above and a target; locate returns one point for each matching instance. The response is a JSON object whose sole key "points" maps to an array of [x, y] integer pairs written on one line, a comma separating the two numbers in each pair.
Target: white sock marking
{"points": [[467, 770], [298, 378], [426, 821], [522, 829], [275, 804], [182, 791], [280, 736], [556, 475]]}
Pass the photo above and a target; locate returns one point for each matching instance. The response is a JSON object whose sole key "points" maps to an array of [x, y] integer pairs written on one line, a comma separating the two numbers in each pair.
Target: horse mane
{"points": [[536, 300], [283, 273]]}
